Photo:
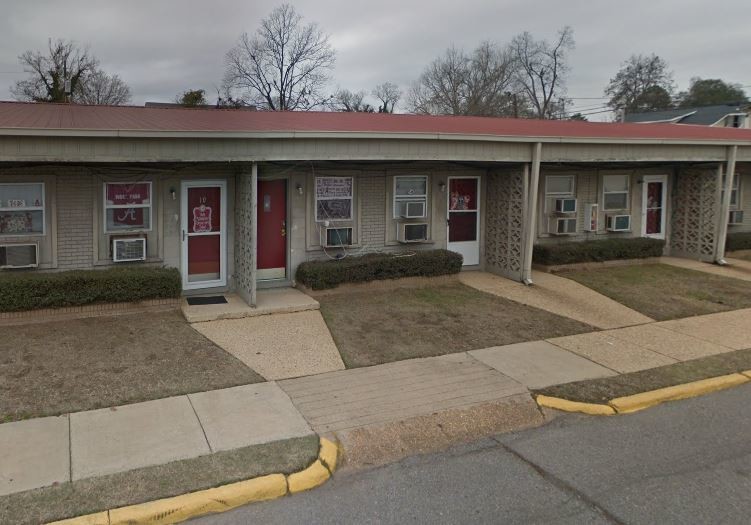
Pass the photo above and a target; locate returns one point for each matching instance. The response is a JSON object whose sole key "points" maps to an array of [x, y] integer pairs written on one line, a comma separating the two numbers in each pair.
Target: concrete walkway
{"points": [[39, 452], [736, 268], [270, 301], [560, 296]]}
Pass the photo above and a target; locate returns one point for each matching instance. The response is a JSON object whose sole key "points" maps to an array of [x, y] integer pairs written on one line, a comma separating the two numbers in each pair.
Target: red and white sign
{"points": [[123, 194], [202, 219]]}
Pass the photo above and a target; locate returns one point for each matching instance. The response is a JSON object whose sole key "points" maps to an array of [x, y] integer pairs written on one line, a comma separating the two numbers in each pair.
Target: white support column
{"points": [[530, 218], [254, 232], [722, 227]]}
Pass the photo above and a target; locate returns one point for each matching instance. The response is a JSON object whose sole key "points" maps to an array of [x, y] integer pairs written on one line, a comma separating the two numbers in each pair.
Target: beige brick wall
{"points": [[75, 216], [372, 210]]}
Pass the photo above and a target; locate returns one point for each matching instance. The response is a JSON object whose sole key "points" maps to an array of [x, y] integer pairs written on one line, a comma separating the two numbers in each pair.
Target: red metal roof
{"points": [[73, 117]]}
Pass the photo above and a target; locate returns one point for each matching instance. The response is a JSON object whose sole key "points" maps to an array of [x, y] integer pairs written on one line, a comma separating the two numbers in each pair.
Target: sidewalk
{"points": [[39, 452]]}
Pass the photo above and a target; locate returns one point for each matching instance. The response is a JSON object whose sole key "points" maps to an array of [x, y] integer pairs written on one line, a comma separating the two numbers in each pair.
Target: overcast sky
{"points": [[163, 47]]}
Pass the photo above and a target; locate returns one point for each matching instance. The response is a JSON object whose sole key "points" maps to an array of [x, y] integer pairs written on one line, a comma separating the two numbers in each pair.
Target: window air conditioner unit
{"points": [[618, 223], [412, 232], [129, 249], [562, 226], [591, 217], [337, 237], [565, 205], [19, 255], [736, 217], [414, 209]]}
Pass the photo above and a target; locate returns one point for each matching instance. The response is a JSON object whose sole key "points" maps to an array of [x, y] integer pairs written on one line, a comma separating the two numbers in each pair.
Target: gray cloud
{"points": [[161, 48]]}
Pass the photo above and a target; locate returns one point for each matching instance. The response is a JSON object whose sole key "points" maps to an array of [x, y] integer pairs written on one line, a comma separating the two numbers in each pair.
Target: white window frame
{"points": [[410, 198], [627, 192], [41, 208], [351, 198], [571, 193], [735, 189], [106, 207]]}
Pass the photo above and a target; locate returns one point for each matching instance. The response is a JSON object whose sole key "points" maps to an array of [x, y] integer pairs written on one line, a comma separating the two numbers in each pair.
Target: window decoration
{"points": [[127, 206], [615, 191], [334, 197], [410, 197], [22, 208]]}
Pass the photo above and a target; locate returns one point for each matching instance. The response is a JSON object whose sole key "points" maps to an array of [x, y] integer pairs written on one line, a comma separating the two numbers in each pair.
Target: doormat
{"points": [[213, 299]]}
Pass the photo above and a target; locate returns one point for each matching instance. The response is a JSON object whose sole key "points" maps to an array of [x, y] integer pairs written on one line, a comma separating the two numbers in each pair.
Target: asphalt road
{"points": [[684, 462]]}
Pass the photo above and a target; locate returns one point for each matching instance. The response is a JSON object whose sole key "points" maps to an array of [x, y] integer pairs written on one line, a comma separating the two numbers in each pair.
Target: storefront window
{"points": [[127, 206], [22, 209]]}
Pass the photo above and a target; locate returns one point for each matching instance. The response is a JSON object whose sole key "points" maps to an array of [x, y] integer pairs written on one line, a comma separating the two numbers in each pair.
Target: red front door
{"points": [[272, 229]]}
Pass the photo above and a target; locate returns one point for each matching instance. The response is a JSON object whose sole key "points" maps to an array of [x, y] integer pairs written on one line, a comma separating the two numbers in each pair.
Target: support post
{"points": [[254, 232], [530, 218], [722, 227]]}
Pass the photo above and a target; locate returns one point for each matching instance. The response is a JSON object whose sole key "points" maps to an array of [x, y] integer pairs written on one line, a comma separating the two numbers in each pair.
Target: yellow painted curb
{"points": [[310, 478], [100, 518], [219, 499], [574, 406], [624, 405], [329, 454]]}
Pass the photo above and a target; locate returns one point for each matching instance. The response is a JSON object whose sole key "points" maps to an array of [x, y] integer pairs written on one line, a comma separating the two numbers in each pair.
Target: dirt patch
{"points": [[741, 254], [665, 292], [83, 364], [87, 496], [605, 389], [383, 326]]}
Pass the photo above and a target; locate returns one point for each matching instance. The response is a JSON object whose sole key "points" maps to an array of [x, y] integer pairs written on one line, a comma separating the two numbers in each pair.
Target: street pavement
{"points": [[683, 462]]}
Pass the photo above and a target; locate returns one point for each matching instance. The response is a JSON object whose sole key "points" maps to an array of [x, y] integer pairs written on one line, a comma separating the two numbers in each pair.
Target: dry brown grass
{"points": [[380, 326], [67, 366]]}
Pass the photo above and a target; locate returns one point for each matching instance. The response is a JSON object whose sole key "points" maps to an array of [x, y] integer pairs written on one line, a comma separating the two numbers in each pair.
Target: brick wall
{"points": [[75, 228], [373, 210]]}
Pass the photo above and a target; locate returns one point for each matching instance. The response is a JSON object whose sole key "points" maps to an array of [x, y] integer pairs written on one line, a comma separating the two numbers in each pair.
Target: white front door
{"points": [[203, 233], [653, 206], [464, 218]]}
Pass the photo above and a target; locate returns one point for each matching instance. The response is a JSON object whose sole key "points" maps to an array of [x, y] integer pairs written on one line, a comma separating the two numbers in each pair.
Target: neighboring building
{"points": [[238, 199], [720, 115]]}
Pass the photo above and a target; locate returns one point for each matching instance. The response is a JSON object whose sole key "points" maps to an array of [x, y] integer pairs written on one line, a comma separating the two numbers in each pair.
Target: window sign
{"points": [[127, 206], [22, 209], [334, 198]]}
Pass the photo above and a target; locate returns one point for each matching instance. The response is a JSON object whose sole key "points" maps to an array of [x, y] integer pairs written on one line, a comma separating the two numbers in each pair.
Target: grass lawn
{"points": [[605, 389], [666, 292], [91, 495], [67, 366], [379, 326]]}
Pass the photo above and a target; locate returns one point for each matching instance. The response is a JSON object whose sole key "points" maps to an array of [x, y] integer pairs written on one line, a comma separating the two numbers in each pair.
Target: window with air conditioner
{"points": [[618, 223], [566, 205], [127, 207], [410, 197], [615, 192], [337, 237], [736, 217], [129, 249], [22, 209], [412, 232], [19, 255], [562, 226]]}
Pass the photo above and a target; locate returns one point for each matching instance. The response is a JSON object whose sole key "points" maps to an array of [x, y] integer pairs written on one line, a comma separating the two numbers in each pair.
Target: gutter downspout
{"points": [[722, 229], [254, 232], [531, 216]]}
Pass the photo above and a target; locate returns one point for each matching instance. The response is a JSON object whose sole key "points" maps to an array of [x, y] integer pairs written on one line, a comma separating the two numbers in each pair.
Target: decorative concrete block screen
{"points": [[504, 223], [694, 218], [243, 235]]}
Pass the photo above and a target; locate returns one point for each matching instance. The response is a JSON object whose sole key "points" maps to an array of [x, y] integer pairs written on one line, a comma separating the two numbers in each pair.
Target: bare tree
{"points": [[388, 94], [100, 88], [635, 85], [541, 70], [284, 65], [48, 72], [462, 84], [351, 101]]}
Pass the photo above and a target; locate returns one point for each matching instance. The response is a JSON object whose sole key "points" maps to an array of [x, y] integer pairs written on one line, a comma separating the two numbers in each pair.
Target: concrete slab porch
{"points": [[269, 301]]}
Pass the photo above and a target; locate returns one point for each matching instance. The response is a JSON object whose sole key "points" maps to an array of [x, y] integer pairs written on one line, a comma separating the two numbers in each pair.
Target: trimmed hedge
{"points": [[597, 251], [320, 275], [31, 291], [738, 241]]}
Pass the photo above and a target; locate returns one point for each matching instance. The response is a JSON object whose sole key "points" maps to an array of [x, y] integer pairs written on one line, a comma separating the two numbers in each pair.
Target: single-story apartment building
{"points": [[238, 199]]}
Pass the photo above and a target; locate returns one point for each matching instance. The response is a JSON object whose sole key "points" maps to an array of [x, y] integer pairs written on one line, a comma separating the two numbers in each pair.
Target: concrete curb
{"points": [[636, 402], [219, 499]]}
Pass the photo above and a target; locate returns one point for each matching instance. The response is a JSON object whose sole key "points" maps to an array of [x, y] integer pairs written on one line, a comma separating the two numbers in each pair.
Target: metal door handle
{"points": [[183, 235]]}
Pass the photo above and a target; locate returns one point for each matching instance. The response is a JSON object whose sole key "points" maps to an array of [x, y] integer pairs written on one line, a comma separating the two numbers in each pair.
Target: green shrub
{"points": [[738, 241], [30, 291], [596, 251], [319, 275]]}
